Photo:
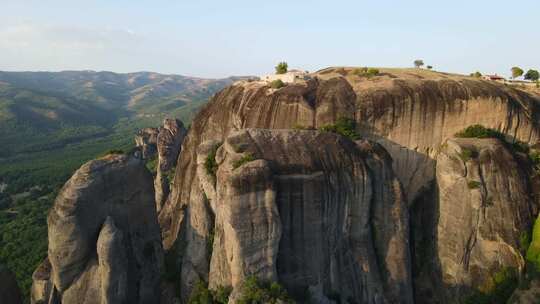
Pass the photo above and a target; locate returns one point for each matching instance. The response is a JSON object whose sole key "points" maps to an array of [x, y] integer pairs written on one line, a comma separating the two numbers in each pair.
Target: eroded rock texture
{"points": [[104, 242], [301, 207], [146, 141], [169, 143], [484, 209], [409, 115], [9, 290]]}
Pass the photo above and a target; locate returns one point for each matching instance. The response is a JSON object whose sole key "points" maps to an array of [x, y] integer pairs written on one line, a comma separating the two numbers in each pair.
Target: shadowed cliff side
{"points": [[9, 290]]}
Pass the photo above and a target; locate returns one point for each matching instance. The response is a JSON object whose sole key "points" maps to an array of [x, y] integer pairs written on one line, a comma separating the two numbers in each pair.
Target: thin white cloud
{"points": [[61, 46]]}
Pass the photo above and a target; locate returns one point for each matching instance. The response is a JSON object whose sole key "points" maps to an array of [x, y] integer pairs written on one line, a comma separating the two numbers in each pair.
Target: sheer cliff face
{"points": [[264, 207], [300, 207], [410, 115], [485, 207], [104, 243], [413, 118], [251, 105], [169, 144]]}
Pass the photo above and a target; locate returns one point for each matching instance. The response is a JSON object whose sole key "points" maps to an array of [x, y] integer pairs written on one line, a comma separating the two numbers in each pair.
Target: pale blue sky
{"points": [[222, 38]]}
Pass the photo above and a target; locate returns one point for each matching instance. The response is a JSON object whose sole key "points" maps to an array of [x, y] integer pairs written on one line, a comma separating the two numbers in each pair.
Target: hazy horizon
{"points": [[214, 40]]}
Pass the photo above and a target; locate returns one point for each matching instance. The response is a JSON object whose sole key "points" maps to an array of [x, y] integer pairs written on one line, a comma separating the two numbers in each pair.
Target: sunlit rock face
{"points": [[301, 208], [485, 207], [104, 240]]}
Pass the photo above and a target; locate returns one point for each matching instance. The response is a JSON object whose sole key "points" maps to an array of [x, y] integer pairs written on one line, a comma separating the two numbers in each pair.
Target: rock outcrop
{"points": [[300, 207], [146, 141], [407, 214], [104, 242], [485, 208], [410, 114], [9, 290], [169, 143]]}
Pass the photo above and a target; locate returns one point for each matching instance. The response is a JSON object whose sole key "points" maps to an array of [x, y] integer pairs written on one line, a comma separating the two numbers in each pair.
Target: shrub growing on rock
{"points": [[478, 131], [372, 72], [365, 72], [343, 126], [473, 185], [202, 295], [277, 84], [255, 291], [245, 159], [210, 163]]}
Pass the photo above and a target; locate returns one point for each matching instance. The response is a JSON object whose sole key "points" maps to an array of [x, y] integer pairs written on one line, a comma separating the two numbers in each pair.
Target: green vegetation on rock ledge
{"points": [[243, 160], [467, 154], [479, 131], [343, 126], [366, 72], [503, 284], [257, 291], [210, 163], [277, 84], [202, 295], [473, 184]]}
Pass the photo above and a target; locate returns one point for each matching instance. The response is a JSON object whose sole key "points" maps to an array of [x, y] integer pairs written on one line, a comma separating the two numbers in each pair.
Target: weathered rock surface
{"points": [[104, 242], [299, 207], [408, 113], [41, 283], [169, 143], [9, 290], [484, 208], [411, 115], [146, 141]]}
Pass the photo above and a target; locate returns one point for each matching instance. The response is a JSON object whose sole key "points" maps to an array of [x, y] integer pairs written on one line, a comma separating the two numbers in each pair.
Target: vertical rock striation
{"points": [[296, 207], [104, 241], [485, 208], [169, 144]]}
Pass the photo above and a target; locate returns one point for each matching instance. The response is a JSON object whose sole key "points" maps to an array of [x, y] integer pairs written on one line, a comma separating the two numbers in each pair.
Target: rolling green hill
{"points": [[51, 123]]}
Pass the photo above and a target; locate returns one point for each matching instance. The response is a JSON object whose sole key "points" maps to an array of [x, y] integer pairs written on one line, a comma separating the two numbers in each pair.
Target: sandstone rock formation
{"points": [[299, 207], [169, 143], [485, 207], [104, 243], [9, 290], [146, 141], [408, 113]]}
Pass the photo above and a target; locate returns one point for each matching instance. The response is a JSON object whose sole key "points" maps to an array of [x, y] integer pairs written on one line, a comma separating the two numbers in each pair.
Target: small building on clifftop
{"points": [[291, 76]]}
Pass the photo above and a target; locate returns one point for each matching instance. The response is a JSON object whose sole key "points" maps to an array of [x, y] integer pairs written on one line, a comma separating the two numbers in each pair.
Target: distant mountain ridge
{"points": [[116, 89], [46, 111]]}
